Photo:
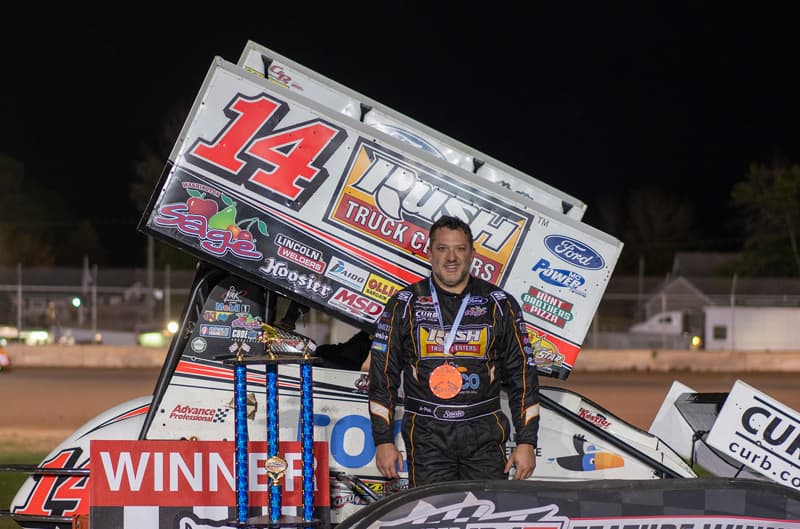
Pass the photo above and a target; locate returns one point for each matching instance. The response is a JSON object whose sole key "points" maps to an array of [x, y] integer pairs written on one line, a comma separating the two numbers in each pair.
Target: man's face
{"points": [[451, 258]]}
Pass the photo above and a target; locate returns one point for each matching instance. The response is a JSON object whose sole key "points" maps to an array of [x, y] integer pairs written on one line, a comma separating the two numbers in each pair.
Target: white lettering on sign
{"points": [[401, 194]]}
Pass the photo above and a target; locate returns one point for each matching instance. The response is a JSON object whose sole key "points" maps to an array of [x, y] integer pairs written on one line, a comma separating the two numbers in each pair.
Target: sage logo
{"points": [[574, 252]]}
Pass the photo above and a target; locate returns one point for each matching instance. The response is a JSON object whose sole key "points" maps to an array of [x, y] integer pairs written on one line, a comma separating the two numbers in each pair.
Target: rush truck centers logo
{"points": [[469, 341], [388, 199]]}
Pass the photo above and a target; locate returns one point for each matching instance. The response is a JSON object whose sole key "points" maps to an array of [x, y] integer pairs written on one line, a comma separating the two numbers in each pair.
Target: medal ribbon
{"points": [[452, 334]]}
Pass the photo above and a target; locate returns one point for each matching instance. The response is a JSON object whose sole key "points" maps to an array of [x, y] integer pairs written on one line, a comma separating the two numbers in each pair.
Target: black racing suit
{"points": [[462, 437]]}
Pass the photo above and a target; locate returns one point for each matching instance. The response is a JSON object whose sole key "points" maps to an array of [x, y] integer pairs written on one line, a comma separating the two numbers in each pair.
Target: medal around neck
{"points": [[445, 381]]}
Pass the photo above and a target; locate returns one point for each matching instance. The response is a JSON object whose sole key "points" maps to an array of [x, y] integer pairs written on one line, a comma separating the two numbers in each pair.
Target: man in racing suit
{"points": [[454, 338]]}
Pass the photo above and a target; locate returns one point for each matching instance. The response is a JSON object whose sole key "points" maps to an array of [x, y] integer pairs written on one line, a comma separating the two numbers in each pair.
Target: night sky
{"points": [[590, 101]]}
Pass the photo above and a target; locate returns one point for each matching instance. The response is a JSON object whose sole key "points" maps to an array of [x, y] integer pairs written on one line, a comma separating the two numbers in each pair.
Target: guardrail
{"points": [[108, 356]]}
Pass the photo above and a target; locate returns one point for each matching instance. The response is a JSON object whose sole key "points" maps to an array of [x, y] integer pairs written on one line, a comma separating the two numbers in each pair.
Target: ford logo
{"points": [[574, 252]]}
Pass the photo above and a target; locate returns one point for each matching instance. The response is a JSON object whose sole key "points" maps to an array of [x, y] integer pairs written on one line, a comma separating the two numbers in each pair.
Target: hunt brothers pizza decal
{"points": [[284, 165], [387, 198]]}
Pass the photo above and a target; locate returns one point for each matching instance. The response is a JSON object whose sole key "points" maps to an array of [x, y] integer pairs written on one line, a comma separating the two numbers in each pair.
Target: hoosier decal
{"points": [[389, 199]]}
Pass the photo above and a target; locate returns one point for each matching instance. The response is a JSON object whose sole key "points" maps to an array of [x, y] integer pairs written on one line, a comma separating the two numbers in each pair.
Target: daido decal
{"points": [[347, 273], [574, 252]]}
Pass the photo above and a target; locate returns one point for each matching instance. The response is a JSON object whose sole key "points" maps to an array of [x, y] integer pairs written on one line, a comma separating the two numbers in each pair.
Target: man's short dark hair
{"points": [[451, 223]]}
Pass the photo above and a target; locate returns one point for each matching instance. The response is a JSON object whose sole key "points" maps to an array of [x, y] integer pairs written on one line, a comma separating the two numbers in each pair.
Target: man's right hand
{"points": [[388, 460]]}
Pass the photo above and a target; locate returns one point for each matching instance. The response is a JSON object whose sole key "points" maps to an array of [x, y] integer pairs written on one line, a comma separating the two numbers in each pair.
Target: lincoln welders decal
{"points": [[388, 199], [283, 164], [299, 253], [546, 307]]}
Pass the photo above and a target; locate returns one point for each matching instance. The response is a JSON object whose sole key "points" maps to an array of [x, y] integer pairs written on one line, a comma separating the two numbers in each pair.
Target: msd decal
{"points": [[283, 162], [390, 200], [356, 304]]}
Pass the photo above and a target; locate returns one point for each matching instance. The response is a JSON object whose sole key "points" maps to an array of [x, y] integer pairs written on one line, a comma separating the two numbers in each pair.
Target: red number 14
{"points": [[275, 160]]}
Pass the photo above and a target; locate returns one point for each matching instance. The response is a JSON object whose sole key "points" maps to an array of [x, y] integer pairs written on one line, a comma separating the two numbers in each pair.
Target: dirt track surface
{"points": [[39, 407]]}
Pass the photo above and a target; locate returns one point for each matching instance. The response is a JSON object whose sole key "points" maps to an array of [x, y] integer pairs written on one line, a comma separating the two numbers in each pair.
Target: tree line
{"points": [[38, 229]]}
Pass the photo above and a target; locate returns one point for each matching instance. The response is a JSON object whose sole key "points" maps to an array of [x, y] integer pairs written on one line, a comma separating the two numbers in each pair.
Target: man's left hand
{"points": [[523, 459]]}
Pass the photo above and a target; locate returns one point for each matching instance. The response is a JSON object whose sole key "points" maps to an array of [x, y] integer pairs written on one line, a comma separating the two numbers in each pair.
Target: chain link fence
{"points": [[134, 300]]}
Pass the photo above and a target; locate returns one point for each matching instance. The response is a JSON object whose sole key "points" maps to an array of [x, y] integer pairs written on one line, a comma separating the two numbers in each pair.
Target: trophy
{"points": [[280, 347]]}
